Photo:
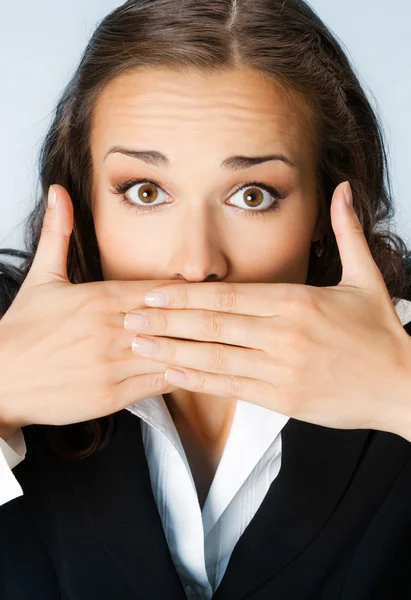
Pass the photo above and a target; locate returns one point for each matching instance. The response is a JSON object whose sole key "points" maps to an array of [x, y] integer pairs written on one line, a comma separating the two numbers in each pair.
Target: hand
{"points": [[64, 354], [337, 356]]}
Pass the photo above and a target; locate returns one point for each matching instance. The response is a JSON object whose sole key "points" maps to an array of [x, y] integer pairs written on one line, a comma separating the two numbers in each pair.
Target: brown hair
{"points": [[282, 39]]}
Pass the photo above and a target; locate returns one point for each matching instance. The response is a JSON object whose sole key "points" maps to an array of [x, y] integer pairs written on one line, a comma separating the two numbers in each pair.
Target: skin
{"points": [[198, 121]]}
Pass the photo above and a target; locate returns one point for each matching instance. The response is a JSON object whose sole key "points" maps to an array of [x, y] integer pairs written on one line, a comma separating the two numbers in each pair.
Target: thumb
{"points": [[358, 266], [50, 261]]}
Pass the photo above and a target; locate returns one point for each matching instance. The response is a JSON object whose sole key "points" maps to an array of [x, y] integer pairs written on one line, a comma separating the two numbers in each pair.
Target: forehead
{"points": [[153, 105]]}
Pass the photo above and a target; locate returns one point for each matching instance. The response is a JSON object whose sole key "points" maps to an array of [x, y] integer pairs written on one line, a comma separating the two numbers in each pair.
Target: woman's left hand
{"points": [[333, 356]]}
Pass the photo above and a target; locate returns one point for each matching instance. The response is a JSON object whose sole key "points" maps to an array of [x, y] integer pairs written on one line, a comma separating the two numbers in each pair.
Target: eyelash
{"points": [[122, 188]]}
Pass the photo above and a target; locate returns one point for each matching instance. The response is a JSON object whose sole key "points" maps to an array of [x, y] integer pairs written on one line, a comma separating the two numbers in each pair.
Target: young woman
{"points": [[205, 147]]}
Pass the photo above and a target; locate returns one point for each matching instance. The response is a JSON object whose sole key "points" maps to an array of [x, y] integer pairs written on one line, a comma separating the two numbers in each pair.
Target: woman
{"points": [[282, 468]]}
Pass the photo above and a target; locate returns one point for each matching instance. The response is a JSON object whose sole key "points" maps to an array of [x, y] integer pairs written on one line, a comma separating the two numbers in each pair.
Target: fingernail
{"points": [[52, 196], [144, 346], [175, 376], [156, 299], [135, 321], [348, 194]]}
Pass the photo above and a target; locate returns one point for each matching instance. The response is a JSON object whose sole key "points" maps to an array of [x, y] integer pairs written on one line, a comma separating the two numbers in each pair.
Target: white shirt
{"points": [[200, 541]]}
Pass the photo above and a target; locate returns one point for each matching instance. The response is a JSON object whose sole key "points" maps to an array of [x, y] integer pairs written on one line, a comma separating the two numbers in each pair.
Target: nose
{"points": [[198, 250]]}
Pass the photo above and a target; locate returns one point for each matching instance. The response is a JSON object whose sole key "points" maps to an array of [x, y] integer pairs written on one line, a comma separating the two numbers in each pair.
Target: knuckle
{"points": [[181, 296], [218, 357], [199, 381], [97, 298], [267, 330], [105, 374], [291, 404], [47, 227], [299, 294], [158, 382], [291, 337], [108, 294], [109, 381], [232, 386], [303, 302], [168, 349], [105, 400], [294, 305], [213, 326], [226, 298], [300, 363], [357, 226], [290, 293], [101, 344], [163, 321]]}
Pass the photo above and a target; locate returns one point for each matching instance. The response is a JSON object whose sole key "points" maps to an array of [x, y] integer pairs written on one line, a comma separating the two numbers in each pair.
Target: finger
{"points": [[131, 365], [125, 295], [213, 358], [203, 325], [240, 388], [257, 299], [138, 388]]}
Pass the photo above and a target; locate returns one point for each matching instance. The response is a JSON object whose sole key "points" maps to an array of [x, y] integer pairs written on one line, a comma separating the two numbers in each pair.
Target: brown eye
{"points": [[253, 197], [260, 197], [147, 193], [143, 191]]}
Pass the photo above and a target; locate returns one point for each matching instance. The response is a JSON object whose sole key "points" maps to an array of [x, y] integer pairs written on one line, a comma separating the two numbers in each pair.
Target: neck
{"points": [[209, 417]]}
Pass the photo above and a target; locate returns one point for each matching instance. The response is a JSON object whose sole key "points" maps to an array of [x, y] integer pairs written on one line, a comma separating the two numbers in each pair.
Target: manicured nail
{"points": [[52, 197], [175, 376], [348, 194], [156, 299], [135, 321], [144, 346]]}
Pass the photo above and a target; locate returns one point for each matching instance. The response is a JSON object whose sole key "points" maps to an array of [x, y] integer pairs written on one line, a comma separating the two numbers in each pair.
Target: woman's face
{"points": [[197, 230]]}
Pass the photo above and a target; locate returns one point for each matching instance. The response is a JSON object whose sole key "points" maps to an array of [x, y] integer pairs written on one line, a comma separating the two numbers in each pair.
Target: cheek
{"points": [[281, 255], [126, 248], [278, 254]]}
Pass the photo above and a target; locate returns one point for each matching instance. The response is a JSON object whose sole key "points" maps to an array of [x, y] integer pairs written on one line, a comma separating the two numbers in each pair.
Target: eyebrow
{"points": [[235, 163]]}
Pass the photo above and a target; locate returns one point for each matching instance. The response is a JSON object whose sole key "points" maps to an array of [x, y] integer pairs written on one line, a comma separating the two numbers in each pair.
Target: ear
{"points": [[320, 224]]}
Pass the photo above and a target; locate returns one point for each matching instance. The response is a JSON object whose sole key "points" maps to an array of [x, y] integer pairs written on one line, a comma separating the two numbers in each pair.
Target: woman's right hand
{"points": [[65, 356]]}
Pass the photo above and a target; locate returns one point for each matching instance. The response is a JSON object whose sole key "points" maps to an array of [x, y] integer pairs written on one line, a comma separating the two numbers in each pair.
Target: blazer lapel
{"points": [[317, 464], [115, 489]]}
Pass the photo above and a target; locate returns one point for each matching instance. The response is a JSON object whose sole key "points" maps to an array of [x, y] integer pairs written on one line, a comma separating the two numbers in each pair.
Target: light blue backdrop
{"points": [[41, 42]]}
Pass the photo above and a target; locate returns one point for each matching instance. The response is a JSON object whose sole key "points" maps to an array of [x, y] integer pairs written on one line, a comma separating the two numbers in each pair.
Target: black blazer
{"points": [[335, 523]]}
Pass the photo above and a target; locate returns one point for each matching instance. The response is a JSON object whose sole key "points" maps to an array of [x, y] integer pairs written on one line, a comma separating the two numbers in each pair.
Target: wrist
{"points": [[8, 425], [6, 431], [401, 398], [403, 428]]}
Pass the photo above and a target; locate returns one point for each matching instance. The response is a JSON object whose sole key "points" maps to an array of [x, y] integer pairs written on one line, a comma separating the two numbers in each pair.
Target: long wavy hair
{"points": [[282, 39]]}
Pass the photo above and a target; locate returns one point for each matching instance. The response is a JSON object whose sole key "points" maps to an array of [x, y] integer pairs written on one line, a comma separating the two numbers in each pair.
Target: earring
{"points": [[319, 248]]}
